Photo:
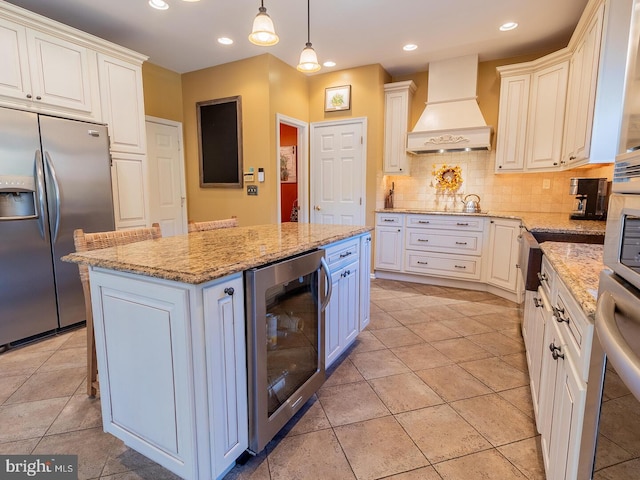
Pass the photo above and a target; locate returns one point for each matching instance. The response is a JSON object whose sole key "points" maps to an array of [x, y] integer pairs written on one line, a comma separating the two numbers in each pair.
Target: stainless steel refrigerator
{"points": [[55, 176]]}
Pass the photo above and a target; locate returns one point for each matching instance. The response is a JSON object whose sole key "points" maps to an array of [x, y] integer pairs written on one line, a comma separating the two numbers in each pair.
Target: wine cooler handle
{"points": [[325, 267]]}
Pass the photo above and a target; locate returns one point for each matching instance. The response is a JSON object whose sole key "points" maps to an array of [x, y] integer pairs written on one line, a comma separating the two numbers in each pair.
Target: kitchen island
{"points": [[170, 337]]}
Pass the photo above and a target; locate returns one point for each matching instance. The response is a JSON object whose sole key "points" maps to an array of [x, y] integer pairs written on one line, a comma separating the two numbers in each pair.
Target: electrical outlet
{"points": [[546, 184], [252, 190]]}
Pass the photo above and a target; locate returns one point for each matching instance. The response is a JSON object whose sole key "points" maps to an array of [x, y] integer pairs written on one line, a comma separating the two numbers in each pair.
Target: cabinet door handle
{"points": [[542, 277], [229, 290], [461, 243], [28, 95], [537, 302], [38, 97], [572, 157], [556, 352]]}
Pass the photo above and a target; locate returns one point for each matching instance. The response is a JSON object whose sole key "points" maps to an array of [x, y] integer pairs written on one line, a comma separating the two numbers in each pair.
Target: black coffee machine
{"points": [[592, 197]]}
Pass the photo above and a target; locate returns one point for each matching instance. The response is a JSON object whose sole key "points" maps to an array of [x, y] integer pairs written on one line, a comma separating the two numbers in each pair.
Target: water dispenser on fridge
{"points": [[17, 197]]}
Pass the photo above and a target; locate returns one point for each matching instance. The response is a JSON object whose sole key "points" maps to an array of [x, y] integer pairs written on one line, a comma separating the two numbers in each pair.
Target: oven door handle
{"points": [[327, 272], [611, 313]]}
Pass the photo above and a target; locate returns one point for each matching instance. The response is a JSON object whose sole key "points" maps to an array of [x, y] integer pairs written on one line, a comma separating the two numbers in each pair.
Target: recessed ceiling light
{"points": [[329, 63], [409, 47], [505, 27], [190, 0], [222, 40], [159, 4]]}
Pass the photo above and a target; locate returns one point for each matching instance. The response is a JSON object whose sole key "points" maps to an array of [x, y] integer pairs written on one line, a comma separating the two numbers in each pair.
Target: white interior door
{"points": [[167, 190], [338, 172]]}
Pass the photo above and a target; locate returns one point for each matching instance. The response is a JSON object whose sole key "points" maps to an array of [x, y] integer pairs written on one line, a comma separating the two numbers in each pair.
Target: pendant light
{"points": [[308, 58], [263, 32]]}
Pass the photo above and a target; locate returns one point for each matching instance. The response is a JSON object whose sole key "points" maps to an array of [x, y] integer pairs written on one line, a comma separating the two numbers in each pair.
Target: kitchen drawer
{"points": [[443, 265], [547, 277], [447, 222], [342, 253], [576, 329], [444, 241], [389, 219]]}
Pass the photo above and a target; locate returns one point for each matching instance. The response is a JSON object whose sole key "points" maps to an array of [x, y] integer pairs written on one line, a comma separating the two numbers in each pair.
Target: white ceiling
{"points": [[349, 32]]}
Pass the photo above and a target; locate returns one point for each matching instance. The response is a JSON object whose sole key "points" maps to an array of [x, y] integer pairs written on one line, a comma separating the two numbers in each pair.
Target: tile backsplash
{"points": [[520, 192]]}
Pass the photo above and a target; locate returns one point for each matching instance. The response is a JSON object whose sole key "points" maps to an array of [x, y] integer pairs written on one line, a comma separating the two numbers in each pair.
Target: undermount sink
{"points": [[618, 328]]}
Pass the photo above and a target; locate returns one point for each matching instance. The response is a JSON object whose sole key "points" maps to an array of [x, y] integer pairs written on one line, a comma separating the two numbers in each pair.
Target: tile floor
{"points": [[436, 388]]}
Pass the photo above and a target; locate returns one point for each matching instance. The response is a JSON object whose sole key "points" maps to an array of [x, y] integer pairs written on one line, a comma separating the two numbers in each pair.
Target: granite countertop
{"points": [[579, 266], [202, 256], [536, 222]]}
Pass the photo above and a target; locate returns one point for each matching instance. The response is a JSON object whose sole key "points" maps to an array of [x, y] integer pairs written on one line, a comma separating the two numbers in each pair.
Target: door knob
{"points": [[317, 207]]}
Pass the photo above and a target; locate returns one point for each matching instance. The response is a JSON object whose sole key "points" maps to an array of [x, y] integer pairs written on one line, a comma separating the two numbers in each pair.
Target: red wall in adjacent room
{"points": [[288, 191]]}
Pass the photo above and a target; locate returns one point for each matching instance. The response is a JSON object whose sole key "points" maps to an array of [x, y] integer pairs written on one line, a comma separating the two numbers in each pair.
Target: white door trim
{"points": [[303, 165], [183, 183], [363, 176]]}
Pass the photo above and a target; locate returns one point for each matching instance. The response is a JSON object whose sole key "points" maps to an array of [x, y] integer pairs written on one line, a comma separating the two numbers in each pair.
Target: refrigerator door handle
{"points": [[40, 192], [56, 186]]}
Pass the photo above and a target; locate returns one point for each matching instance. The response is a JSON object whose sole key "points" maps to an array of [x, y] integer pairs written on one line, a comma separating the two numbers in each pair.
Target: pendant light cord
{"points": [[308, 23]]}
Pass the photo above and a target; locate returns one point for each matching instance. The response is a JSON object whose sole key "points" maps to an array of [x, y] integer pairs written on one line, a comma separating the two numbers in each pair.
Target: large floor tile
{"points": [[22, 361], [49, 384], [608, 453], [19, 447], [425, 473], [9, 384], [379, 363], [497, 343], [433, 331], [381, 319], [526, 455], [312, 455], [620, 423], [421, 356], [28, 420], [366, 342], [496, 419], [520, 397], [378, 448], [80, 413], [342, 372], [482, 465], [350, 403], [310, 418], [453, 383], [466, 326], [92, 447], [404, 392], [623, 471], [123, 459], [396, 336], [65, 358], [441, 434], [496, 374], [461, 349]]}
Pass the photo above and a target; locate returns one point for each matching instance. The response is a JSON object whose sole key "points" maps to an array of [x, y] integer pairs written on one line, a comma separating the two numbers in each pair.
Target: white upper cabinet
{"points": [[46, 73], [123, 104], [582, 92], [569, 122], [397, 102]]}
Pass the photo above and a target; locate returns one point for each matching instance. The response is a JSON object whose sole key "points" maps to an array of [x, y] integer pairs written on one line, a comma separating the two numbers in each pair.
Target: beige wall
{"points": [[162, 92]]}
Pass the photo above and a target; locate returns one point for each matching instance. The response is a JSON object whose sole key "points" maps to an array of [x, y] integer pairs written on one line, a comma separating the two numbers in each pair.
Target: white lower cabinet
{"points": [[559, 360], [342, 315], [128, 183], [503, 254], [172, 365], [365, 280], [225, 350]]}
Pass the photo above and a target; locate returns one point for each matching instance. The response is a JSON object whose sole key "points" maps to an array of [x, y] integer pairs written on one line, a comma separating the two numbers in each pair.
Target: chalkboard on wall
{"points": [[220, 142]]}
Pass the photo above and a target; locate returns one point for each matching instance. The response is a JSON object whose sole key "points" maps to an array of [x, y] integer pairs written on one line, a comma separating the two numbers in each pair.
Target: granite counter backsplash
{"points": [[579, 266]]}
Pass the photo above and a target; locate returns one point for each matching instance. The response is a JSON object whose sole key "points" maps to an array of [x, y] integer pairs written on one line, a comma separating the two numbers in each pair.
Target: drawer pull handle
{"points": [[344, 255], [388, 219], [423, 239], [422, 263], [460, 266], [423, 221], [461, 243], [460, 224]]}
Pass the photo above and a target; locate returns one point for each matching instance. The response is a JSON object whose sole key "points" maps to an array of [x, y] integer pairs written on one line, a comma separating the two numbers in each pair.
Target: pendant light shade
{"points": [[263, 32], [308, 58]]}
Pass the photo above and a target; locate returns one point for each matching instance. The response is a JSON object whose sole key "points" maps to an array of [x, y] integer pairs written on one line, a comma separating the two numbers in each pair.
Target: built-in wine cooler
{"points": [[285, 340]]}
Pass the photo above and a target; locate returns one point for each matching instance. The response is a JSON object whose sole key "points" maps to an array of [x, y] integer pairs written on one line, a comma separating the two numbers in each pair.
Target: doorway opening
{"points": [[292, 157]]}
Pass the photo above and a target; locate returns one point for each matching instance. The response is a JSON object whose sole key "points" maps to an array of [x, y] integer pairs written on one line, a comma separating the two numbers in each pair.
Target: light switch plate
{"points": [[252, 190]]}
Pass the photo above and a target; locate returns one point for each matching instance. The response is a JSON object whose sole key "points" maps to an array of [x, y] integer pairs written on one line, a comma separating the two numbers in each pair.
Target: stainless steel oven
{"points": [[285, 340]]}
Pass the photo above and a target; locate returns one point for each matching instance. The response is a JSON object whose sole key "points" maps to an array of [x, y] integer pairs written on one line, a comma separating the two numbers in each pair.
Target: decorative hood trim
{"points": [[451, 120]]}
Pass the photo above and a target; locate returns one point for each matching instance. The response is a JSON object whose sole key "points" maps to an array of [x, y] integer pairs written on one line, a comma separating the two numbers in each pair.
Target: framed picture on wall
{"points": [[220, 142], [288, 165], [337, 98]]}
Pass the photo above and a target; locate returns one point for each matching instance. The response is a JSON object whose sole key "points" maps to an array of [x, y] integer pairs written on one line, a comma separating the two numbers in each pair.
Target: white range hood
{"points": [[452, 120]]}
